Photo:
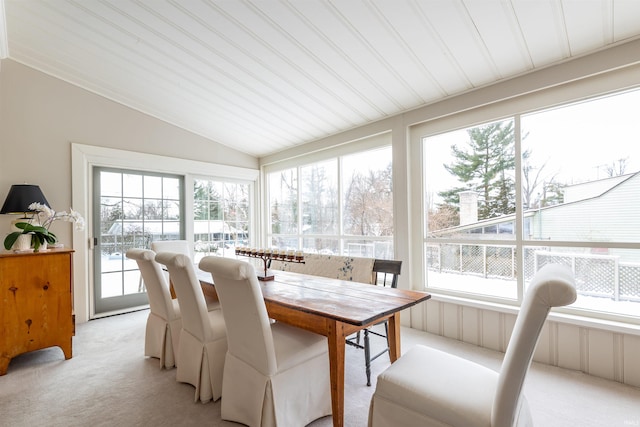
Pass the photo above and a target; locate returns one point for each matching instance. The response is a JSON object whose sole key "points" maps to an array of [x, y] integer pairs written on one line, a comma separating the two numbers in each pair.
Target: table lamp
{"points": [[20, 197]]}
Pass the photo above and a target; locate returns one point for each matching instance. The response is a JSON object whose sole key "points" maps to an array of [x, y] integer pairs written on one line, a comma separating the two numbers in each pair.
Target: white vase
{"points": [[22, 243]]}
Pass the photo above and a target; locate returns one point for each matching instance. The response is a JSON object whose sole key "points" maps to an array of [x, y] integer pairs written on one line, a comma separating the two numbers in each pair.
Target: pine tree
{"points": [[486, 166]]}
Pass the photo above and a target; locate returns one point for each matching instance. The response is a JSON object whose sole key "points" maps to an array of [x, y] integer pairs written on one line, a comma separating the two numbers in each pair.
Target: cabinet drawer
{"points": [[36, 302]]}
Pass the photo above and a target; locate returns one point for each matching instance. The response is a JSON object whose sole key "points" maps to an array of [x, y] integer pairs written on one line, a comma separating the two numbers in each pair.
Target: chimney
{"points": [[468, 207]]}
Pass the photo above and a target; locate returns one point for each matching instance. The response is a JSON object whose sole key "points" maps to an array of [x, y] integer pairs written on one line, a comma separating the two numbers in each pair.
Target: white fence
{"points": [[596, 275]]}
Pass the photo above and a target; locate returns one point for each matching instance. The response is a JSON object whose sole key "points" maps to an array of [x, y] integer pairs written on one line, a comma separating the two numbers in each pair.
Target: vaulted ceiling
{"points": [[262, 76]]}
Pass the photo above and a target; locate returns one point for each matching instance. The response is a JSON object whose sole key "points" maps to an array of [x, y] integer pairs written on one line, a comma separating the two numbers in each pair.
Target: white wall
{"points": [[605, 351], [40, 118]]}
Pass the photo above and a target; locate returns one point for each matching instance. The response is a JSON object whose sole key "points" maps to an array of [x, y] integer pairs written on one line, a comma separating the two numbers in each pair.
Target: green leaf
{"points": [[40, 235], [35, 240], [36, 229], [11, 239]]}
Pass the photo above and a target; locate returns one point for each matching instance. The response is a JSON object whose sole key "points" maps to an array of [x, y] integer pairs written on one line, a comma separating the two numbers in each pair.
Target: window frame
{"points": [[526, 104], [252, 200], [334, 153]]}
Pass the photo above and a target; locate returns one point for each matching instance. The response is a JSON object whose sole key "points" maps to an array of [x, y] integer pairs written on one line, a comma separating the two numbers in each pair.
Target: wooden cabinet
{"points": [[36, 303]]}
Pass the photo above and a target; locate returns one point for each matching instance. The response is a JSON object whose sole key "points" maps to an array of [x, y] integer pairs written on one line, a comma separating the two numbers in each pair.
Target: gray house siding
{"points": [[612, 216]]}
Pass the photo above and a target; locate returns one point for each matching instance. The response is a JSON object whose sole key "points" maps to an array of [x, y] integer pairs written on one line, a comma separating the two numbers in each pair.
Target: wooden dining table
{"points": [[336, 309]]}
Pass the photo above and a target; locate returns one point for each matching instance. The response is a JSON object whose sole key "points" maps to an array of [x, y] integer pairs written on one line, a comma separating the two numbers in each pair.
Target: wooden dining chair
{"points": [[386, 274]]}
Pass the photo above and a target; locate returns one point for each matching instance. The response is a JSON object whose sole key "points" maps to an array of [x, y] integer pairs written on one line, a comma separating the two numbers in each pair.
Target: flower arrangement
{"points": [[45, 216]]}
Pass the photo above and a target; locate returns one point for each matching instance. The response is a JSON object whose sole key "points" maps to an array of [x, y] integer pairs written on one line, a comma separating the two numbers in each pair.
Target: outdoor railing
{"points": [[596, 275]]}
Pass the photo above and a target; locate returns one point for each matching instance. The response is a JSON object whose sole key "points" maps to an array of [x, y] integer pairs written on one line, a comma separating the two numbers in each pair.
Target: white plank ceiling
{"points": [[262, 76]]}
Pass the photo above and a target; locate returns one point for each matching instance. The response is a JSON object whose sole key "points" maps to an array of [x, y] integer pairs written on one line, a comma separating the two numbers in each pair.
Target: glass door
{"points": [[130, 209]]}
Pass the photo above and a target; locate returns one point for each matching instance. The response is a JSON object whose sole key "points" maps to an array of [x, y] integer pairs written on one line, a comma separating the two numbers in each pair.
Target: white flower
{"points": [[46, 216], [43, 212], [76, 218]]}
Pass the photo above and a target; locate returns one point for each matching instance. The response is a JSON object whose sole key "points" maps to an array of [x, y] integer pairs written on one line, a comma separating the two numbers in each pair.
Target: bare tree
{"points": [[284, 213], [319, 200], [616, 168], [444, 216], [369, 204], [539, 188]]}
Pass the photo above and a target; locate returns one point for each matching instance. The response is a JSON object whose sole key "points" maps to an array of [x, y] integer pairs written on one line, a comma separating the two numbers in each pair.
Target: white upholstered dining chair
{"points": [[274, 374], [203, 337], [164, 321], [175, 246], [181, 247], [428, 387]]}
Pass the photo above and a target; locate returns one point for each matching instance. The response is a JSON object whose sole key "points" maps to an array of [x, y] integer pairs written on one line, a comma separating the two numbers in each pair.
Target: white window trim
{"points": [[370, 142]]}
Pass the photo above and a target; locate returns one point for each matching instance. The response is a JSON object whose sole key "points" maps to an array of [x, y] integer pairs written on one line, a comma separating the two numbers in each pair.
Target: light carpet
{"points": [[109, 382]]}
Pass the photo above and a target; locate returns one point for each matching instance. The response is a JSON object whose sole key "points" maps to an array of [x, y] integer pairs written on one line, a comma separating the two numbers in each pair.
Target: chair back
{"points": [[552, 286], [193, 306], [175, 246], [386, 272], [155, 282], [249, 335]]}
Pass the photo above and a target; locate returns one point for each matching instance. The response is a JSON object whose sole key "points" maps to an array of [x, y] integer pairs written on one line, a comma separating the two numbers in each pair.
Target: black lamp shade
{"points": [[20, 197]]}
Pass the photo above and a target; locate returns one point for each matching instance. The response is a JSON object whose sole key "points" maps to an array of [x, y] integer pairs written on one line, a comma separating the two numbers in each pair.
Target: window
{"points": [[342, 205], [132, 209], [471, 200], [221, 217], [565, 188], [580, 166]]}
